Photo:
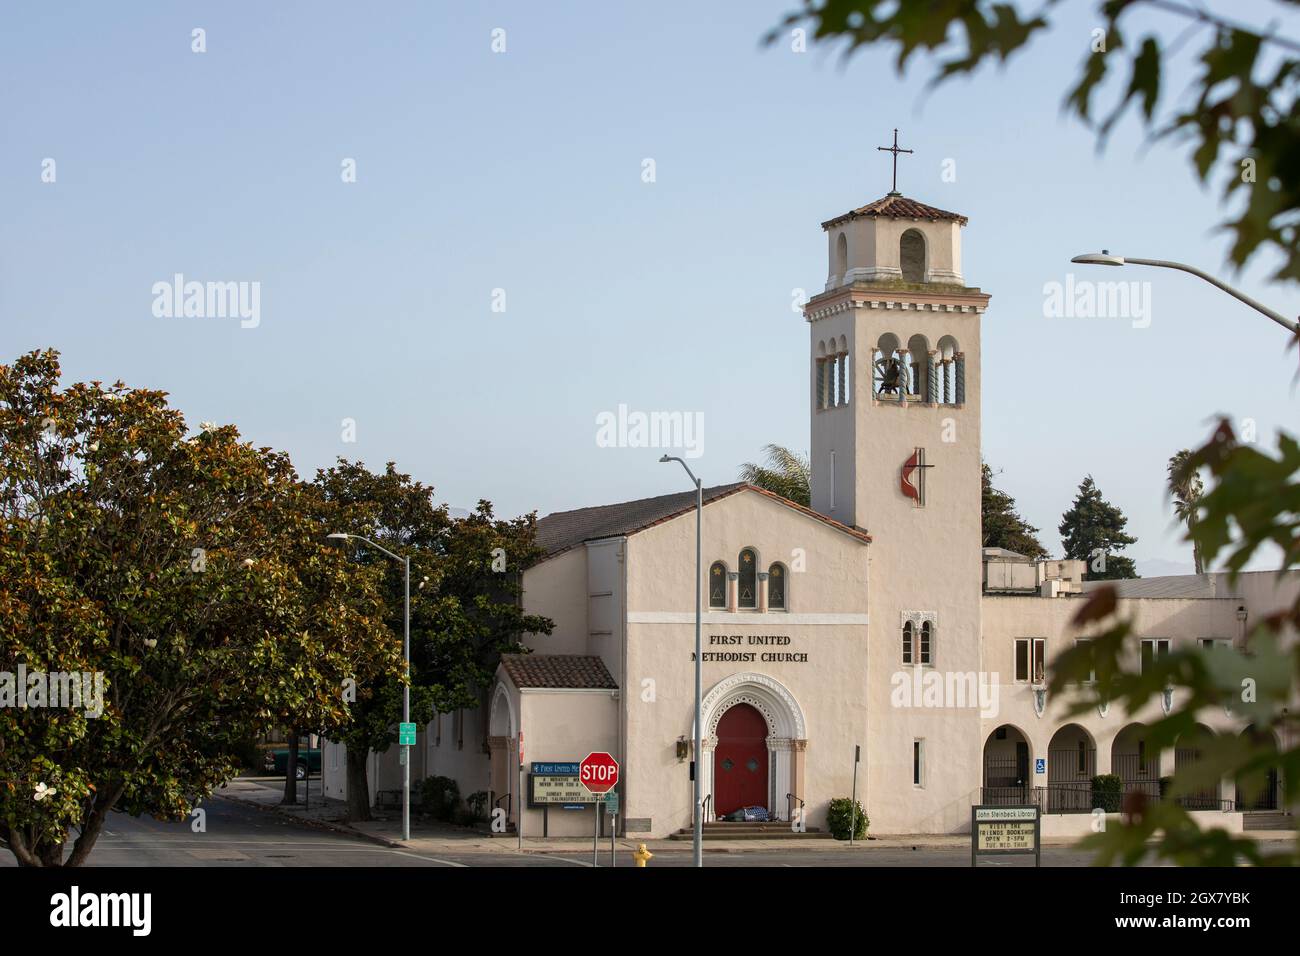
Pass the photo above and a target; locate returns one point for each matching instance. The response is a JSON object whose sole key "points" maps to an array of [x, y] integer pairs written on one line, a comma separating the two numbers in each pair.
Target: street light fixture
{"points": [[406, 658], [1104, 258], [698, 839]]}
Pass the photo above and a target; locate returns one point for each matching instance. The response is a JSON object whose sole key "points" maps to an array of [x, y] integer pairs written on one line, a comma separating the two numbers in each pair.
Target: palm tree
{"points": [[786, 473], [1185, 487]]}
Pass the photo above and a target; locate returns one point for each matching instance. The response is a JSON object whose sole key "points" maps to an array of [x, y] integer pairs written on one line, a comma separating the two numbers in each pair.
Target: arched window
{"points": [[747, 596], [907, 642], [842, 256], [911, 256], [776, 587], [717, 584], [927, 643]]}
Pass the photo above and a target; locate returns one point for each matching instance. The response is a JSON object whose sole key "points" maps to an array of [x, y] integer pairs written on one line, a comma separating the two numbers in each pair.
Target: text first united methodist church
{"points": [[873, 618]]}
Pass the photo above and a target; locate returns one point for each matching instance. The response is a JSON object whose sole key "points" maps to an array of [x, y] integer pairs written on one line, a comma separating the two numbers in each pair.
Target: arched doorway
{"points": [[1258, 791], [740, 760], [1187, 754], [1136, 764], [1007, 777], [783, 747], [1071, 765]]}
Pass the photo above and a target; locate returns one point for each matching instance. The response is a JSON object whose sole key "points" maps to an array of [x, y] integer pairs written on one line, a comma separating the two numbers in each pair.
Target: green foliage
{"points": [[1093, 526], [842, 810], [1107, 792], [1254, 502], [1185, 489], [188, 571], [465, 610], [786, 473], [476, 803], [439, 797], [1241, 117], [1002, 524]]}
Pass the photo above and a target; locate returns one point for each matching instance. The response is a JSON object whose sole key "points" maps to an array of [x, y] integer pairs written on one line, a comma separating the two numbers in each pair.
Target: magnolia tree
{"points": [[185, 577]]}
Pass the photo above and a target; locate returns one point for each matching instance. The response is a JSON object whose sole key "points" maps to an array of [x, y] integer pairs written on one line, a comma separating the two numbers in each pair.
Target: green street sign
{"points": [[611, 803], [406, 735]]}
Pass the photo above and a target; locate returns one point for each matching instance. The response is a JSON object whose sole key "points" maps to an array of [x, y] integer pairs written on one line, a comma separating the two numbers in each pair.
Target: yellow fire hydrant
{"points": [[641, 855]]}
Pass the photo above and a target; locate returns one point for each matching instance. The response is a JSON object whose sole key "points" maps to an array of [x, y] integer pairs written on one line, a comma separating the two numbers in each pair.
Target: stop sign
{"points": [[598, 772]]}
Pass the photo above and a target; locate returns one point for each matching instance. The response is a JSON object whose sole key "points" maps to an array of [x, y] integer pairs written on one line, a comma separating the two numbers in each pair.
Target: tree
{"points": [[786, 473], [174, 572], [1002, 525], [465, 610], [1251, 120], [1185, 487], [1093, 531], [1254, 503]]}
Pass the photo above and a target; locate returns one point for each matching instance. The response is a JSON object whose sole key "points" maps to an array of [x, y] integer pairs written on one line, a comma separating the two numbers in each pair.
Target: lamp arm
{"points": [[1289, 324]]}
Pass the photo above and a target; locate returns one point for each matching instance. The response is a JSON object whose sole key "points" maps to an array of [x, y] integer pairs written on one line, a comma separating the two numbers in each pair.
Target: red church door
{"points": [[740, 760]]}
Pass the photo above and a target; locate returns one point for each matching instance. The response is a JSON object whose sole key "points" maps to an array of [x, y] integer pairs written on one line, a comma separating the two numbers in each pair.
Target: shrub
{"points": [[1107, 792], [843, 809], [439, 797], [477, 803]]}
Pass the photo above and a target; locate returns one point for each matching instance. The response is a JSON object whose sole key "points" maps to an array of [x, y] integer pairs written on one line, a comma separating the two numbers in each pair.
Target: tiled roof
{"points": [[566, 529], [897, 207], [563, 530], [558, 670]]}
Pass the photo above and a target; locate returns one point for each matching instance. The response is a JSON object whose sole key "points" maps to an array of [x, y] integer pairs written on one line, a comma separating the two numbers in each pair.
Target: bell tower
{"points": [[894, 383]]}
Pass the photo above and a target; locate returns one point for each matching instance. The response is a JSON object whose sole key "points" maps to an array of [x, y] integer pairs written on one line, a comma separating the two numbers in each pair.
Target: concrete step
{"points": [[1267, 820], [751, 831]]}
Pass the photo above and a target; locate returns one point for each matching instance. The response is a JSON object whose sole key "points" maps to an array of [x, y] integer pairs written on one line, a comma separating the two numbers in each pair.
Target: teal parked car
{"points": [[276, 762]]}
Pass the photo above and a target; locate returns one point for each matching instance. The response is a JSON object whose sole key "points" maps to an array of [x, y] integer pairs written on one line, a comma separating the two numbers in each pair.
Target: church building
{"points": [[873, 622]]}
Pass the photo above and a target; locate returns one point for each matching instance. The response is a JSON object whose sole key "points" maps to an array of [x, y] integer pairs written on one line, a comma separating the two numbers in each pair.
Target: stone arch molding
{"points": [[495, 713], [772, 699]]}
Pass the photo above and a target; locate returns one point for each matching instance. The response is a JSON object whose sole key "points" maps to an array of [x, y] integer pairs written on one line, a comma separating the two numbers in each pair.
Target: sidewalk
{"points": [[266, 793], [430, 837]]}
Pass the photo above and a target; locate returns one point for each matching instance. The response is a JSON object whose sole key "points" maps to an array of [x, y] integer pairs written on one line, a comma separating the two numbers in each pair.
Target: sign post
{"points": [[1005, 831], [598, 772], [853, 802], [611, 805], [519, 812]]}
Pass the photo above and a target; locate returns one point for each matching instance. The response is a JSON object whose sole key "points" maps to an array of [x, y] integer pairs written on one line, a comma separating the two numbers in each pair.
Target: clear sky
{"points": [[522, 171]]}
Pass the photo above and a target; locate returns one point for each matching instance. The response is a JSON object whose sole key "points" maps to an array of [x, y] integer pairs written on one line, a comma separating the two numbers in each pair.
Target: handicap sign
{"points": [[1040, 765]]}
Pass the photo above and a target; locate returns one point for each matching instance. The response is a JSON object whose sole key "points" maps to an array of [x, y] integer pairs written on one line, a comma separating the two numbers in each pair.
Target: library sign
{"points": [[1001, 831], [751, 649]]}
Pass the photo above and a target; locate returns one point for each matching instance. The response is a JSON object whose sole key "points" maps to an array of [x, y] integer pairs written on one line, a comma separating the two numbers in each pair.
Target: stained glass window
{"points": [[718, 584], [748, 584], [776, 587]]}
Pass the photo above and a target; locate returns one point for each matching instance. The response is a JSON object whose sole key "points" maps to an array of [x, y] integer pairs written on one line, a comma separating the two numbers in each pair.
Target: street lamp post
{"points": [[698, 839], [406, 658], [1104, 258]]}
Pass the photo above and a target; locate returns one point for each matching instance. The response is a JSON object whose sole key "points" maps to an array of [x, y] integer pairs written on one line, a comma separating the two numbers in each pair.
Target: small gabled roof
{"points": [[896, 206], [569, 671], [563, 530]]}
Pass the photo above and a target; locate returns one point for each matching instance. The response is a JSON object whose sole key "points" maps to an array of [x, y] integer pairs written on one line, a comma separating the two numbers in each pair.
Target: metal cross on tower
{"points": [[895, 150]]}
